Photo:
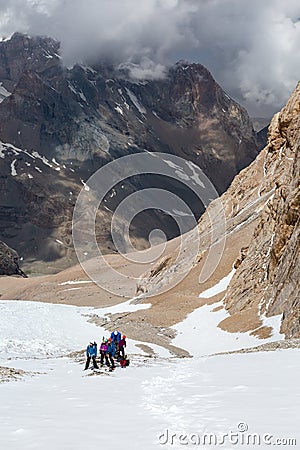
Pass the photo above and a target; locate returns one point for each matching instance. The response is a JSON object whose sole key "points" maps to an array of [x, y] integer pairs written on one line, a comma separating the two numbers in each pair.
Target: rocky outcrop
{"points": [[268, 277], [59, 125], [10, 374], [9, 261]]}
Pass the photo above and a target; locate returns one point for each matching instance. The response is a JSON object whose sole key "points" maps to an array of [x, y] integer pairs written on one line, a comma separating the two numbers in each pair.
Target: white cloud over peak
{"points": [[252, 48]]}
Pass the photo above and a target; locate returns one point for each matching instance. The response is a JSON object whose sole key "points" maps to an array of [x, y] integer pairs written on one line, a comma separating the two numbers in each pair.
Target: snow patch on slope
{"points": [[219, 287], [136, 103], [200, 335], [275, 323], [8, 149], [4, 93], [13, 168], [36, 155], [119, 110], [127, 306]]}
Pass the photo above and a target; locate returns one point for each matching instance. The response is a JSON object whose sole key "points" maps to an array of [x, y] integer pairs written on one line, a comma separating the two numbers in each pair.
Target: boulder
{"points": [[9, 261]]}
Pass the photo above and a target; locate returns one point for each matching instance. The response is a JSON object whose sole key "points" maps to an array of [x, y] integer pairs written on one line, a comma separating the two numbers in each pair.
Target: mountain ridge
{"points": [[59, 125]]}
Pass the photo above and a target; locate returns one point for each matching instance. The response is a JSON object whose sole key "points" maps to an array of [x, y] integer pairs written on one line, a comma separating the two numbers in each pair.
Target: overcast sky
{"points": [[252, 47]]}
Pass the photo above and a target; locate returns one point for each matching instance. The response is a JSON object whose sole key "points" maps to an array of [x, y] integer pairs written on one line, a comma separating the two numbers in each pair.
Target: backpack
{"points": [[124, 362]]}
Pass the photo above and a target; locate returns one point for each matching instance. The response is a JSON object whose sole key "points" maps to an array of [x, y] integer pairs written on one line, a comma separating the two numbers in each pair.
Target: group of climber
{"points": [[111, 348]]}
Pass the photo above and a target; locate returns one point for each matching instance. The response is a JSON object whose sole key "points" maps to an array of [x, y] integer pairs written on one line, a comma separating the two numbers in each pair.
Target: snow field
{"points": [[32, 329], [37, 330], [68, 410], [65, 408]]}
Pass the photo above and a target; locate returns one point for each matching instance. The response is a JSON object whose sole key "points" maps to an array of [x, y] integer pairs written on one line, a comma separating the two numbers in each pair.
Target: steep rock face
{"points": [[59, 125], [195, 119], [268, 277], [9, 261]]}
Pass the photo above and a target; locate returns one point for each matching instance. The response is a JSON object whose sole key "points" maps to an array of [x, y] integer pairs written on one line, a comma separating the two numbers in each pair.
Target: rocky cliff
{"points": [[9, 261], [58, 125], [268, 278]]}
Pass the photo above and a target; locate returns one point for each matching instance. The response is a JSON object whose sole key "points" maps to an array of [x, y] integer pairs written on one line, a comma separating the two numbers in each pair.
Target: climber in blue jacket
{"points": [[91, 353], [111, 351], [116, 336]]}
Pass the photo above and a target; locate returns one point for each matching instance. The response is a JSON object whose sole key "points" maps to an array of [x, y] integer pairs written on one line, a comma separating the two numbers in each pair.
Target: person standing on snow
{"points": [[91, 353], [122, 345], [116, 337], [103, 352], [111, 351]]}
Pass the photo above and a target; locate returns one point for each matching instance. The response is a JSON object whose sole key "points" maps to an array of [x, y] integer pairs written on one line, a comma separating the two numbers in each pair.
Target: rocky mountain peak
{"points": [[58, 125], [24, 53]]}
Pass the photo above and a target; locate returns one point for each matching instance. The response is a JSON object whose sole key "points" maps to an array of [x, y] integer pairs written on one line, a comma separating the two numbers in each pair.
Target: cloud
{"points": [[146, 69], [252, 48]]}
